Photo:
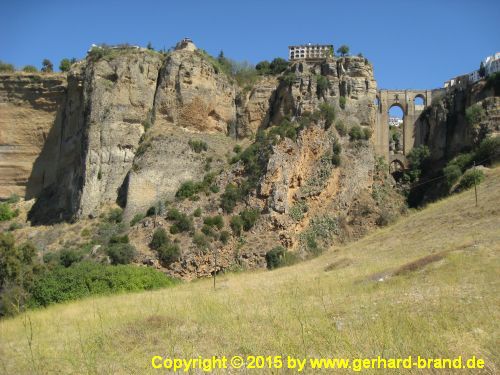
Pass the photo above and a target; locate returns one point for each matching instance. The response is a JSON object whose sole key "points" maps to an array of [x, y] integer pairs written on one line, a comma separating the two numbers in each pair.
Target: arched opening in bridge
{"points": [[419, 102], [396, 129], [376, 103]]}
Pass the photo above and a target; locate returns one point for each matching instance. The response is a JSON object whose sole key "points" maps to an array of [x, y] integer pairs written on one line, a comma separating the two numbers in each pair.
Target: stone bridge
{"points": [[413, 134]]}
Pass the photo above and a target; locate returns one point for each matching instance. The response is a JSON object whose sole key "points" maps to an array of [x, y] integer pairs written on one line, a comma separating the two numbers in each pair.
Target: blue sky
{"points": [[412, 44]]}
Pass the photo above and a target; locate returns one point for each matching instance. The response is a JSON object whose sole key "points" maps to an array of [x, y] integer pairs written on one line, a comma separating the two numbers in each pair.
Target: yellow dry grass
{"points": [[383, 295]]}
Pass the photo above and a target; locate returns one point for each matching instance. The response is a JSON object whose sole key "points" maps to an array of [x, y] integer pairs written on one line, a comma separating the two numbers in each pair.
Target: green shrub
{"points": [[169, 253], [341, 128], [474, 114], [336, 161], [160, 238], [327, 112], [13, 198], [6, 213], [6, 68], [151, 211], [298, 210], [249, 218], [208, 230], [356, 133], [263, 67], [88, 278], [488, 151], [214, 188], [197, 212], [69, 256], [136, 219], [367, 133], [230, 197], [236, 225], [119, 239], [224, 236], [187, 190], [452, 173], [342, 102], [115, 215], [273, 257], [15, 226], [278, 65], [321, 84], [385, 218], [237, 149], [30, 69], [418, 159], [214, 221], [462, 161], [201, 241], [173, 214], [183, 223], [279, 257], [198, 145], [121, 253], [470, 178], [65, 65], [336, 148], [493, 82]]}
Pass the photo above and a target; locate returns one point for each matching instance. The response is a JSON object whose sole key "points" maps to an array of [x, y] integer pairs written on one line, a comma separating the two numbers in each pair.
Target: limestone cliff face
{"points": [[192, 95], [107, 103], [347, 77], [29, 109], [446, 129]]}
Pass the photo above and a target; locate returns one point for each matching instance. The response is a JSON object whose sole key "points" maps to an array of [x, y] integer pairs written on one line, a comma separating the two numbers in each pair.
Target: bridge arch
{"points": [[412, 103]]}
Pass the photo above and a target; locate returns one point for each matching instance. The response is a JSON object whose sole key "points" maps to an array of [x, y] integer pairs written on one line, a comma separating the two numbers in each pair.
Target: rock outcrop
{"points": [[29, 110]]}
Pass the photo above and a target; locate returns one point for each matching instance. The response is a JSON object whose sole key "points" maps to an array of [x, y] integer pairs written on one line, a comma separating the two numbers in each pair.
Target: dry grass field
{"points": [[427, 285]]}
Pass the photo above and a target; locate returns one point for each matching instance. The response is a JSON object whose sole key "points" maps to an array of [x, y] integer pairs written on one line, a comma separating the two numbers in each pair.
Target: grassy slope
{"points": [[447, 307]]}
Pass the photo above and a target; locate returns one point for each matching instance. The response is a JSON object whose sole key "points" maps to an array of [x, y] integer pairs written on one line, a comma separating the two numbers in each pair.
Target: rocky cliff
{"points": [[29, 108], [447, 130], [133, 125]]}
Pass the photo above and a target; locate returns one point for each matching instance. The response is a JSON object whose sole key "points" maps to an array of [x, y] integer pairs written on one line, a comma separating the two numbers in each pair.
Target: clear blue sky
{"points": [[412, 44]]}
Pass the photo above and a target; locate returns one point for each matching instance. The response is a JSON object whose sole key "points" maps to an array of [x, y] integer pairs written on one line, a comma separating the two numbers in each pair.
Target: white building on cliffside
{"points": [[310, 51]]}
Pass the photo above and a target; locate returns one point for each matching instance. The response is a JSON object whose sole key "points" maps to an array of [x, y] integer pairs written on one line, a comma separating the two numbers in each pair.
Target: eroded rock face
{"points": [[107, 103], [447, 131], [29, 110], [192, 95]]}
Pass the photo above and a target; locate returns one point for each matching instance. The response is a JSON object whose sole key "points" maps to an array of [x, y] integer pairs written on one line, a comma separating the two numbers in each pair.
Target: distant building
{"points": [[491, 65], [186, 44], [395, 121], [310, 51]]}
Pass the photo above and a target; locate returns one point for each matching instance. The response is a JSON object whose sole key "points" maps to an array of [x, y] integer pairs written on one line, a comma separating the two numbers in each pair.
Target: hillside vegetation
{"points": [[427, 285]]}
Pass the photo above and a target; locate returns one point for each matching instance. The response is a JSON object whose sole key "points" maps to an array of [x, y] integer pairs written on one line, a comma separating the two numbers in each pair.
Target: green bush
{"points": [[237, 149], [356, 133], [279, 257], [208, 230], [214, 221], [182, 222], [224, 236], [136, 219], [418, 159], [173, 214], [236, 225], [341, 128], [201, 241], [452, 173], [197, 212], [187, 190], [249, 218], [321, 84], [493, 82], [278, 65], [6, 213], [197, 145], [367, 133], [342, 102], [88, 278], [327, 112], [263, 67], [470, 178], [488, 151], [230, 197], [6, 68], [115, 215], [298, 210], [65, 65], [474, 114], [69, 256], [336, 148], [169, 253], [160, 238], [121, 253], [462, 161], [151, 211], [30, 69], [13, 198]]}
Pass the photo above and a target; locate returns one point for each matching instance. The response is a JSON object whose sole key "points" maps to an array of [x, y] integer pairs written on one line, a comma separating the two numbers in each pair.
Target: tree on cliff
{"points": [[65, 65], [343, 50], [482, 70], [47, 66]]}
